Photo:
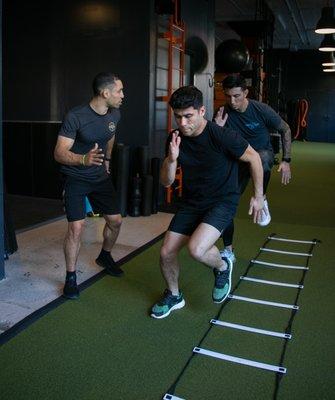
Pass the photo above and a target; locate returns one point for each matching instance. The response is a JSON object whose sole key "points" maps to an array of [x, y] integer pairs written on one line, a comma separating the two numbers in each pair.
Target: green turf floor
{"points": [[105, 346]]}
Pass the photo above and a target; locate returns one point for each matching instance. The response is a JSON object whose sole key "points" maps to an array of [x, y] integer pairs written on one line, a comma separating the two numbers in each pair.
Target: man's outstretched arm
{"points": [[256, 170]]}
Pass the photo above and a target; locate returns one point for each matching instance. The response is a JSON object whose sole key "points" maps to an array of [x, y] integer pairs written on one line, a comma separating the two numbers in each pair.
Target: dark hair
{"points": [[186, 96], [102, 80], [234, 81]]}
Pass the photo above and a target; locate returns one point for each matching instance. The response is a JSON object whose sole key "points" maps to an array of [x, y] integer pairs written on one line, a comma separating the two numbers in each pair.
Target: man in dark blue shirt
{"points": [[208, 156], [254, 121], [84, 149]]}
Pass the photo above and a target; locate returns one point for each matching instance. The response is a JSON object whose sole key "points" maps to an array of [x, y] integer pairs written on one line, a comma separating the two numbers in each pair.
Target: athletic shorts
{"points": [[267, 157], [187, 219], [101, 195]]}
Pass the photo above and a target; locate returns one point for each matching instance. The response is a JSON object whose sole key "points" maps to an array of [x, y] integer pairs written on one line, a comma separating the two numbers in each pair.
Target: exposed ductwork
{"points": [[295, 21]]}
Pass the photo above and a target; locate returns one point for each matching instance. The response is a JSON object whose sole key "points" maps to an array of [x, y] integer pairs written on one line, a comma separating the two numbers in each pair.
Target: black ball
{"points": [[231, 56], [198, 52]]}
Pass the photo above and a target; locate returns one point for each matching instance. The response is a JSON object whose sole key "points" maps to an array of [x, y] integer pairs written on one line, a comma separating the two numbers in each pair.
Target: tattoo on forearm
{"points": [[285, 133]]}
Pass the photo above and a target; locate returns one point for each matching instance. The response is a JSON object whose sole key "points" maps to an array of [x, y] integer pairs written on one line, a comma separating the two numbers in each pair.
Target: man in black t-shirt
{"points": [[254, 121], [84, 149], [208, 157]]}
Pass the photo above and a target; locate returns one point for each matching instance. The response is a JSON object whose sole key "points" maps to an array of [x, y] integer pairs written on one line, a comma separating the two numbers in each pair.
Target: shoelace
{"points": [[221, 277], [167, 299], [72, 281]]}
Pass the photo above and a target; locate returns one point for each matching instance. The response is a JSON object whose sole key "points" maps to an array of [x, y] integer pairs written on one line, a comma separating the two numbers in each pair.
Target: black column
{"points": [[2, 262]]}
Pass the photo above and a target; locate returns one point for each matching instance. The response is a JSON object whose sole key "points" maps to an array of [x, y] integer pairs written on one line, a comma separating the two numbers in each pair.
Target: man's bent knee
{"points": [[267, 158], [196, 251], [113, 221], [75, 229], [167, 255], [267, 167]]}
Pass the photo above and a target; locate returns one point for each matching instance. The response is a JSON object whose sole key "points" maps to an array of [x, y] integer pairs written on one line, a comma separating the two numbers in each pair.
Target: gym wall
{"points": [[297, 68], [52, 51]]}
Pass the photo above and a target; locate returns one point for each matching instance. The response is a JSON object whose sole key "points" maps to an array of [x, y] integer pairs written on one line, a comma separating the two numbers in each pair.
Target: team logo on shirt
{"points": [[111, 126], [252, 125]]}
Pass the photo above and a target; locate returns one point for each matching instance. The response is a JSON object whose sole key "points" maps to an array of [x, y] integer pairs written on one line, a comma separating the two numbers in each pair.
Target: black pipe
{"points": [[121, 175], [135, 197], [143, 160], [147, 187], [155, 169]]}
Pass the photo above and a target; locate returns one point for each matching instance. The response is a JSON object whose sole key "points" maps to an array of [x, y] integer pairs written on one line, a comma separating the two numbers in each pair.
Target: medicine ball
{"points": [[231, 56], [197, 50]]}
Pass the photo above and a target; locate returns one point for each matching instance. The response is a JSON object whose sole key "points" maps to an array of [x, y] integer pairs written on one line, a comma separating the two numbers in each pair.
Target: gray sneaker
{"points": [[226, 253], [222, 285]]}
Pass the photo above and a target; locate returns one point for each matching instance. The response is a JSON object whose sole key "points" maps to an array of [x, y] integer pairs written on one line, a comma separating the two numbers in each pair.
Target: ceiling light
{"points": [[326, 23], [329, 60], [328, 43], [329, 70]]}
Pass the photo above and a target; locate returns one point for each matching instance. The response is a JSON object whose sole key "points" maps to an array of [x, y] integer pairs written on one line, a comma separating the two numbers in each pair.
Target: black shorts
{"points": [[267, 158], [187, 219], [102, 196]]}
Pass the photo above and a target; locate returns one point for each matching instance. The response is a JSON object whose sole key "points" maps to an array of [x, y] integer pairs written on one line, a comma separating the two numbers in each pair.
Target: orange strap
{"points": [[302, 114]]}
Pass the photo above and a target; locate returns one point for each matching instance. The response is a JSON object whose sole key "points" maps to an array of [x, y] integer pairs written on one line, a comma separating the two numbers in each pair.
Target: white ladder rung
{"points": [[267, 303], [239, 360], [279, 265], [292, 285], [168, 396], [292, 240], [251, 329], [292, 253]]}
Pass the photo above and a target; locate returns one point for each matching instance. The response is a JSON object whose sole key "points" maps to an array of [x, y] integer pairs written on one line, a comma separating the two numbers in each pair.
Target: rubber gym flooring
{"points": [[105, 345]]}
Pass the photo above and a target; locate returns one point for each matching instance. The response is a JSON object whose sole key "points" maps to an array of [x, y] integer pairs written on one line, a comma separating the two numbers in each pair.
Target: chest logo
{"points": [[252, 125], [111, 126]]}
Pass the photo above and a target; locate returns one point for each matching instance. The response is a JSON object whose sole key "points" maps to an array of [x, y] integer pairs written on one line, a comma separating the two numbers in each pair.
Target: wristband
{"points": [[107, 159], [83, 160], [286, 159]]}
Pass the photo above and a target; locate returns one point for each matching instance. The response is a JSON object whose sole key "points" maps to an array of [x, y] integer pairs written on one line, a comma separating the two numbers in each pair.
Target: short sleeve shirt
{"points": [[255, 124], [209, 164], [86, 127]]}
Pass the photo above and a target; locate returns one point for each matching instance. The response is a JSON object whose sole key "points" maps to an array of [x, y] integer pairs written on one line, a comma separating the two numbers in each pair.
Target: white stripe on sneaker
{"points": [[175, 307]]}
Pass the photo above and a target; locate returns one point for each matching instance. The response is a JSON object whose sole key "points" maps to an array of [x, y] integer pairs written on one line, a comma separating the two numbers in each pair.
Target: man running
{"points": [[208, 156]]}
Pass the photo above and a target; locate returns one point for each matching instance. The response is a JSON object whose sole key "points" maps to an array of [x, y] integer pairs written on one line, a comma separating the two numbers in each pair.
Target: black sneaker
{"points": [[222, 283], [71, 290], [110, 266], [168, 303]]}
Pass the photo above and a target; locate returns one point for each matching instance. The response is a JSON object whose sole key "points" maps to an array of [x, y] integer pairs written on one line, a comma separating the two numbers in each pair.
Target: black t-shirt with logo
{"points": [[209, 165], [255, 123], [86, 127]]}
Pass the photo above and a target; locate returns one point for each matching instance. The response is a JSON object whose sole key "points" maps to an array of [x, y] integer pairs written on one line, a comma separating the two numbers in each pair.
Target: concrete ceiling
{"points": [[295, 20]]}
